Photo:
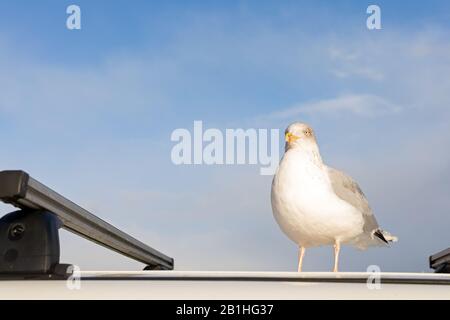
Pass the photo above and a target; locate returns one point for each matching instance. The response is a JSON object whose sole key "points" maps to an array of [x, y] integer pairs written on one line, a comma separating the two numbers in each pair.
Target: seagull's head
{"points": [[299, 135]]}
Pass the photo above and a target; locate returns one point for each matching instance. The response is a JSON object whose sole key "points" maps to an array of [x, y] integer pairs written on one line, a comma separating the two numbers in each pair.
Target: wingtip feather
{"points": [[384, 236]]}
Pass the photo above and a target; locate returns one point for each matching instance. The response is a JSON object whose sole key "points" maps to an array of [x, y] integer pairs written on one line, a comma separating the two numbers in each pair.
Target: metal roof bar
{"points": [[21, 190], [440, 261]]}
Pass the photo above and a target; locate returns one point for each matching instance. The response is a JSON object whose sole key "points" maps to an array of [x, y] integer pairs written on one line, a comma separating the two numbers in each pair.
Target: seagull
{"points": [[316, 205]]}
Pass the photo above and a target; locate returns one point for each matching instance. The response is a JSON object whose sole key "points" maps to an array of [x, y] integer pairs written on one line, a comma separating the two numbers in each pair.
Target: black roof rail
{"points": [[29, 239], [440, 261]]}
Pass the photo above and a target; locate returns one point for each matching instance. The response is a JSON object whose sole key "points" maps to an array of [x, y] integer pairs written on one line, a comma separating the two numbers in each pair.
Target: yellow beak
{"points": [[291, 137]]}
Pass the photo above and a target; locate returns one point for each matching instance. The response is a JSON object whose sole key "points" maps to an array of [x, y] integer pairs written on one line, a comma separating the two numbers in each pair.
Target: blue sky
{"points": [[90, 112]]}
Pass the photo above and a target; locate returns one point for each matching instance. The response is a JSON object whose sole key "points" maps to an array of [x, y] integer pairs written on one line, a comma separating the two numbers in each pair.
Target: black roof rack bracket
{"points": [[440, 261], [29, 240]]}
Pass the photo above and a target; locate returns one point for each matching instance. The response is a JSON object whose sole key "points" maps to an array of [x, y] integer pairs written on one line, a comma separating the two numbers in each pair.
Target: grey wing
{"points": [[348, 190]]}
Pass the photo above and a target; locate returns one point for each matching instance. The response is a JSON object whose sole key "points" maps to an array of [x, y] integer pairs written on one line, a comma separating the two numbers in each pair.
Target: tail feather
{"points": [[384, 236]]}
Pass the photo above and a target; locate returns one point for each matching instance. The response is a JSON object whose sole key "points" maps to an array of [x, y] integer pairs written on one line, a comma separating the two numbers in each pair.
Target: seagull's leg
{"points": [[301, 253], [337, 248]]}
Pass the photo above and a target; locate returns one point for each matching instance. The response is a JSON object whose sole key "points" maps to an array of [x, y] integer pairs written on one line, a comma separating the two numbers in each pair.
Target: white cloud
{"points": [[364, 72], [366, 105], [347, 64]]}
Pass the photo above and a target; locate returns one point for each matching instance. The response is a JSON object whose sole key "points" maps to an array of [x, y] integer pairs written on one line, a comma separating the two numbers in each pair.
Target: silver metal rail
{"points": [[21, 190]]}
